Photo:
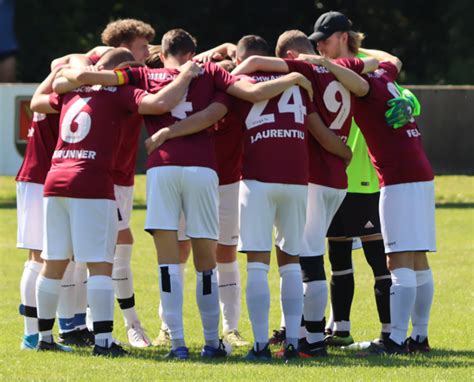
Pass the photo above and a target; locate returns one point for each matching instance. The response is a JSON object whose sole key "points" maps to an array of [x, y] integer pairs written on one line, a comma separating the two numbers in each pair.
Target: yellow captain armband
{"points": [[121, 76]]}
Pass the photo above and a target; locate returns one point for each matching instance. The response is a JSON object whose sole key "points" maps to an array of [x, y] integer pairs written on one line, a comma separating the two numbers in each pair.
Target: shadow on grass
{"points": [[439, 358]]}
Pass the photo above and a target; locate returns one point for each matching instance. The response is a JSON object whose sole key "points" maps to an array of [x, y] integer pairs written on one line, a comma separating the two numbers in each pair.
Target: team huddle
{"points": [[246, 150]]}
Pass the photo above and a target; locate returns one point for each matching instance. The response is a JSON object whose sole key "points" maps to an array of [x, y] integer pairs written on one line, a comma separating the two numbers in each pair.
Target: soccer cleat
{"points": [[261, 355], [234, 338], [29, 342], [53, 346], [415, 346], [338, 341], [163, 338], [315, 350], [181, 353], [210, 352], [114, 351], [287, 353], [73, 338], [278, 337], [388, 347], [87, 336], [137, 337], [383, 337]]}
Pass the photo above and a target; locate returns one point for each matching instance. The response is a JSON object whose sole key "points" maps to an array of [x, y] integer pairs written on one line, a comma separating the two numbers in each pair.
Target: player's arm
{"points": [[40, 100], [261, 91], [218, 53], [327, 139], [61, 84], [172, 94], [97, 51], [197, 122], [402, 109], [380, 55], [256, 63], [347, 77]]}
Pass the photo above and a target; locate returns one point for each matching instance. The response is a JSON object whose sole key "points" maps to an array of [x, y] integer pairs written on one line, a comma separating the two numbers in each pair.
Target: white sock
{"points": [[164, 327], [28, 295], [123, 283], [402, 299], [207, 297], [80, 279], [228, 278], [258, 301], [292, 301], [67, 300], [342, 326], [171, 294], [100, 295], [47, 297], [420, 315], [330, 321], [315, 301]]}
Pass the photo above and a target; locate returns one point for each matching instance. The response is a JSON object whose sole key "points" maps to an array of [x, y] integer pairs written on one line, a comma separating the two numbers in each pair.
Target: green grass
{"points": [[450, 326]]}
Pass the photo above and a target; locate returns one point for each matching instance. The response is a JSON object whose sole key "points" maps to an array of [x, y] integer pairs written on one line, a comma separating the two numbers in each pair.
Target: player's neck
{"points": [[346, 53], [171, 63]]}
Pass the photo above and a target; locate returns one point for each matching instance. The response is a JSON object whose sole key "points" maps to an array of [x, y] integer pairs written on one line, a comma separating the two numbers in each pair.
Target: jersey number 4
{"points": [[256, 117]]}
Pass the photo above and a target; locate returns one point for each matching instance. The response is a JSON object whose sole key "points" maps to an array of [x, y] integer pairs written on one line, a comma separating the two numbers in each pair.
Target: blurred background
{"points": [[433, 38]]}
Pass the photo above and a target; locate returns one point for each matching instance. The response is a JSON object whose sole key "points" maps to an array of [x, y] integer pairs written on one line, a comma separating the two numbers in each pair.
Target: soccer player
{"points": [[406, 200], [327, 176], [91, 123]]}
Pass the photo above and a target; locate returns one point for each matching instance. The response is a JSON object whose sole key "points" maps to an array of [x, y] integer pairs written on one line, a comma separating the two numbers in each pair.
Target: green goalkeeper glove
{"points": [[402, 109]]}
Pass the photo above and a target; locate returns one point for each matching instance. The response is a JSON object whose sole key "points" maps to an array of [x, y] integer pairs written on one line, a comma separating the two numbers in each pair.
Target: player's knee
{"points": [[340, 255], [312, 268]]}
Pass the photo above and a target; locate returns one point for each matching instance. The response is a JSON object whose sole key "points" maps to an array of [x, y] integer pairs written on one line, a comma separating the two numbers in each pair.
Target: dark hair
{"points": [[252, 45], [125, 31], [154, 60], [177, 42], [114, 57], [293, 40]]}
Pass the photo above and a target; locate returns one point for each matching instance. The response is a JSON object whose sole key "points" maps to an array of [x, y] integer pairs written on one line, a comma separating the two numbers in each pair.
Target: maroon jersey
{"points": [[191, 150], [89, 136], [42, 138], [124, 172], [275, 135], [228, 143], [397, 154], [334, 104]]}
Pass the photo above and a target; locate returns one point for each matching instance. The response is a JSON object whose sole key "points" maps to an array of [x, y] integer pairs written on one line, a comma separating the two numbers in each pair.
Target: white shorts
{"points": [[407, 217], [86, 228], [264, 205], [323, 202], [124, 199], [193, 190], [29, 199]]}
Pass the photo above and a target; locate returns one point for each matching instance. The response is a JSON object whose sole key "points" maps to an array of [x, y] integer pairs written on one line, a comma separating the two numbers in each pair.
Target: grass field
{"points": [[450, 327]]}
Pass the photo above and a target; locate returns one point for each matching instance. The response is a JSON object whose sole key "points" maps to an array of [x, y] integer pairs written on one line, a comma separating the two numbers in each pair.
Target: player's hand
{"points": [[302, 81], [311, 58], [208, 56], [190, 67], [156, 140], [400, 112]]}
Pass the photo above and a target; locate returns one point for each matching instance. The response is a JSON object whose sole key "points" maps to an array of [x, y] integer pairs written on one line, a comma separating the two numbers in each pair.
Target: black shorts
{"points": [[357, 216]]}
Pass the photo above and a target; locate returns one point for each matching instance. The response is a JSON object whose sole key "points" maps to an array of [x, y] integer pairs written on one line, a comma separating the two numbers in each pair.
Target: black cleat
{"points": [[87, 336], [53, 346], [114, 351], [278, 337], [416, 346], [288, 353], [264, 355], [73, 338], [388, 347], [315, 350]]}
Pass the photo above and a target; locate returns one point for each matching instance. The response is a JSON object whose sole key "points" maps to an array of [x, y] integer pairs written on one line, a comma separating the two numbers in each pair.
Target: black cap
{"points": [[329, 23]]}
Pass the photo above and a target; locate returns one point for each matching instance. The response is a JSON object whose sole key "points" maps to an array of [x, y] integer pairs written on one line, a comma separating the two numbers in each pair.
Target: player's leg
{"points": [[30, 236], [122, 271], [57, 252], [184, 245], [67, 309], [323, 203], [200, 207], [162, 221], [94, 234], [257, 212], [80, 279], [418, 340], [228, 274], [290, 218]]}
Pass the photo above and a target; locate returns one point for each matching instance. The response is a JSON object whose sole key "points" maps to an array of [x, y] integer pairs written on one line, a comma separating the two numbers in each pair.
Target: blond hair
{"points": [[354, 41], [154, 60], [293, 40], [125, 31]]}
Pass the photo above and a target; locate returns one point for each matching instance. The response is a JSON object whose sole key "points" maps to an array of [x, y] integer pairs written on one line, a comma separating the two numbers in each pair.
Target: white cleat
{"points": [[137, 337]]}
